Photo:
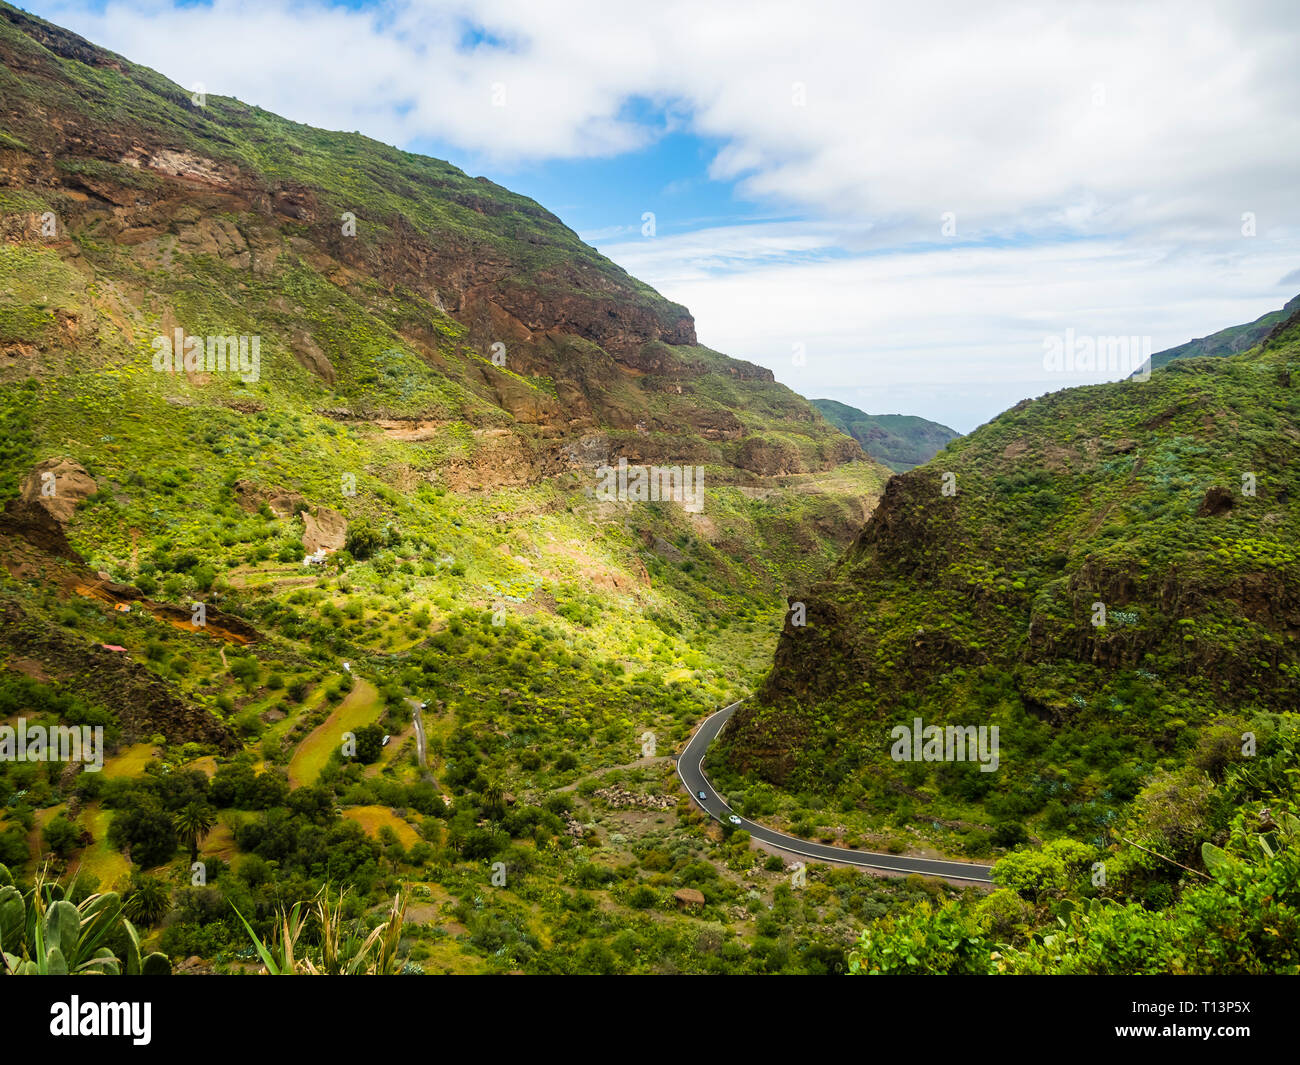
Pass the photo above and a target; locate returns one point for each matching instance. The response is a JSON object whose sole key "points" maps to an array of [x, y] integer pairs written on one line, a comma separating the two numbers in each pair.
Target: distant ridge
{"points": [[1231, 341], [899, 441]]}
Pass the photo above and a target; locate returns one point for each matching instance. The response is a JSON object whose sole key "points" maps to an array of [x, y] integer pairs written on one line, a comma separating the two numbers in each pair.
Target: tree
{"points": [[269, 789], [147, 900], [61, 836], [233, 785], [13, 846], [147, 830], [193, 823], [370, 741], [363, 539], [247, 670]]}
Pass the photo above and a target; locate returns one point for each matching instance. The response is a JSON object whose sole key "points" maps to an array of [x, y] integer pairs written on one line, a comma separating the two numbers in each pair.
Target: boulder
{"points": [[323, 530], [58, 485]]}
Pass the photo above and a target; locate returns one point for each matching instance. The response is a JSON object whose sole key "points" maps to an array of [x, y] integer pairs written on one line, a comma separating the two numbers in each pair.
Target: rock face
{"points": [[58, 485], [144, 704], [33, 523], [445, 296], [1218, 500], [1080, 560], [282, 504], [323, 530]]}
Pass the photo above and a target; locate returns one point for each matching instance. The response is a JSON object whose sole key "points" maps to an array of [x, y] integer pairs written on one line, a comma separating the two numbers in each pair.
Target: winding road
{"points": [[690, 767]]}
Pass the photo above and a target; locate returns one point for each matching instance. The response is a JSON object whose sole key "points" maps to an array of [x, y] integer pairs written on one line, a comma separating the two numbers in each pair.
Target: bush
{"points": [[61, 836], [642, 897], [363, 539], [13, 846]]}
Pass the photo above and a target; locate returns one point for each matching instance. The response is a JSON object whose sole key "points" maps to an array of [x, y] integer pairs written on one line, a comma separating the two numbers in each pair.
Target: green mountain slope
{"points": [[899, 441], [433, 400], [381, 284], [1230, 341], [1113, 570]]}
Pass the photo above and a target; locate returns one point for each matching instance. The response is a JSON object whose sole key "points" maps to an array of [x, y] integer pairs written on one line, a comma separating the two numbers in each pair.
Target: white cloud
{"points": [[956, 335], [701, 254], [1175, 113], [1115, 146]]}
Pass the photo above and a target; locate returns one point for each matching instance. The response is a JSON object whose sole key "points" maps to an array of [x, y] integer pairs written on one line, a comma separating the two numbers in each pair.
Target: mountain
{"points": [[382, 284], [899, 441], [1230, 341], [1106, 573], [406, 332], [383, 476], [350, 597]]}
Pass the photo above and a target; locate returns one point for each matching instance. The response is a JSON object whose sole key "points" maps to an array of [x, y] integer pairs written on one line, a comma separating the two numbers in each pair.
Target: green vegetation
{"points": [[899, 441], [44, 933], [1111, 583], [1125, 910], [238, 578], [1230, 341], [546, 631]]}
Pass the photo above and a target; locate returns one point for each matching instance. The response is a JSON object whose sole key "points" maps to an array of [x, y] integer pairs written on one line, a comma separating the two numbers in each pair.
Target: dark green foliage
{"points": [[899, 441]]}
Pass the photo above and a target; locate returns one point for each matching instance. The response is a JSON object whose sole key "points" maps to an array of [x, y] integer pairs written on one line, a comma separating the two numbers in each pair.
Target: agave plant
{"points": [[278, 958], [43, 934], [344, 950]]}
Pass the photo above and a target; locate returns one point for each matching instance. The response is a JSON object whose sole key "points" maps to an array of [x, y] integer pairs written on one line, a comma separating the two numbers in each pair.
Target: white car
{"points": [[386, 739], [703, 796], [734, 819]]}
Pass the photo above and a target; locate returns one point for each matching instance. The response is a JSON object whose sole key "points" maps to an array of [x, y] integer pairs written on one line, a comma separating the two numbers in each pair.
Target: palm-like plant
{"points": [[147, 900], [193, 823]]}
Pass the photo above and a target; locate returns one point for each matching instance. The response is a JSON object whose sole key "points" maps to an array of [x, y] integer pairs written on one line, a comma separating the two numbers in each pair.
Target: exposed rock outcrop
{"points": [[323, 530], [58, 485]]}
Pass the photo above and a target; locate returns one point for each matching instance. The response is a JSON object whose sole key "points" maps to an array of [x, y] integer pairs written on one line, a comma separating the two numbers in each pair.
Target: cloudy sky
{"points": [[893, 205]]}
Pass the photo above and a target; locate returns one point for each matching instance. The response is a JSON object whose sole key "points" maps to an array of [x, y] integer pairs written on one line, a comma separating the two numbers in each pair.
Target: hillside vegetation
{"points": [[899, 441], [364, 633], [249, 579], [1231, 341], [1108, 574]]}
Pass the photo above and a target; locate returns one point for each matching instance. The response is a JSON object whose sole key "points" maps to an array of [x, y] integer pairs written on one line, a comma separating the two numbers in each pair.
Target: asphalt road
{"points": [[417, 716], [690, 767]]}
